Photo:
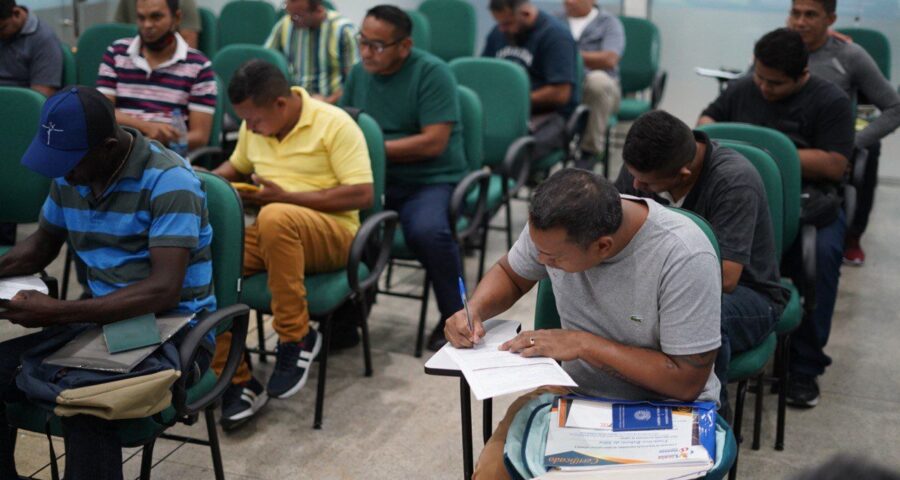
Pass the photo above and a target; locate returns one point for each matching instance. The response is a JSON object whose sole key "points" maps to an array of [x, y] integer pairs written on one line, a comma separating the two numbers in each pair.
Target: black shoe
{"points": [[241, 402], [292, 361], [803, 391], [344, 335], [437, 340]]}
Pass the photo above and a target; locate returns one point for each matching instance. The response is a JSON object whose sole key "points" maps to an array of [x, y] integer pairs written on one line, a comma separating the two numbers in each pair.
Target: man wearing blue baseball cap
{"points": [[135, 213]]}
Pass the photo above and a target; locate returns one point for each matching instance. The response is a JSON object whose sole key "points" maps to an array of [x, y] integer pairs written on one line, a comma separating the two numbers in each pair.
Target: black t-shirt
{"points": [[818, 116], [730, 195], [547, 51]]}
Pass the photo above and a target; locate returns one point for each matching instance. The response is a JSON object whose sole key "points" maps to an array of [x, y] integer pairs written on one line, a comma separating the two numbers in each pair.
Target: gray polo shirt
{"points": [[33, 57], [850, 67], [604, 33], [661, 292]]}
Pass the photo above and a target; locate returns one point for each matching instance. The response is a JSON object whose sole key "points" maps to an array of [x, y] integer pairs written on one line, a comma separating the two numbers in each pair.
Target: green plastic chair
{"points": [[421, 30], [208, 42], [69, 73], [201, 395], [504, 90], [22, 192], [228, 59], [92, 44], [785, 155], [639, 68], [467, 210], [875, 43], [245, 21], [328, 292], [453, 27]]}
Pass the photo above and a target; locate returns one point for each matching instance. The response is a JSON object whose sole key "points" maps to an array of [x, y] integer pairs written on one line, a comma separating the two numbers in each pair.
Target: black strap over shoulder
{"points": [[354, 112]]}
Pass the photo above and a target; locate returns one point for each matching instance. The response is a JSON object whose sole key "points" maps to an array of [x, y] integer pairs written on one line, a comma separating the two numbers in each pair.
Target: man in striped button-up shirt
{"points": [[320, 46]]}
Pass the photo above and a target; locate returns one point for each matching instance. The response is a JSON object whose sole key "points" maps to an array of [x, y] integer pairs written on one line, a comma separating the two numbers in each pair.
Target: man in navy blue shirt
{"points": [[545, 47]]}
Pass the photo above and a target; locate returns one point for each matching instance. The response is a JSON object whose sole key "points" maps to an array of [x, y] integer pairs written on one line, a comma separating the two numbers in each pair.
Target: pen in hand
{"points": [[465, 302]]}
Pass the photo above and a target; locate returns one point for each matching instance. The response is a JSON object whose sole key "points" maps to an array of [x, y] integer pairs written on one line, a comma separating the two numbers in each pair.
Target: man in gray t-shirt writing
{"points": [[666, 161], [637, 288], [850, 67]]}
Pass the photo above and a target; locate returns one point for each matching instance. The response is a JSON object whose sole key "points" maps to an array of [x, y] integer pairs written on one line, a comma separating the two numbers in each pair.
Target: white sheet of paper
{"points": [[10, 286], [586, 414], [491, 372]]}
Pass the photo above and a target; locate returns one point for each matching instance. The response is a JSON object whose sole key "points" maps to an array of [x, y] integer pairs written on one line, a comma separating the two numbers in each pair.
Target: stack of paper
{"points": [[491, 372], [586, 436], [10, 286]]}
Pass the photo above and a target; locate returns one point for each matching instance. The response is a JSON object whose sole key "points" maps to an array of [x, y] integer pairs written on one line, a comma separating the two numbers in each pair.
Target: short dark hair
{"points": [[6, 8], [258, 80], [501, 5], [783, 50], [845, 466], [395, 16], [659, 142], [586, 205], [830, 6], [173, 5]]}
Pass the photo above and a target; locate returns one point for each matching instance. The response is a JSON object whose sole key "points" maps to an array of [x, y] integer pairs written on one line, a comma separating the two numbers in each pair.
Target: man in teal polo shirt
{"points": [[412, 94]]}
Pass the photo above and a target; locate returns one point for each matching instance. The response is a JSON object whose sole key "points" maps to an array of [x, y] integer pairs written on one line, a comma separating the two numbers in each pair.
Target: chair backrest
{"points": [[209, 32], [421, 30], [453, 27], [328, 5], [230, 58], [69, 72], [771, 178], [245, 21], [472, 120], [375, 143], [92, 44], [875, 43], [215, 131], [504, 90], [640, 61], [546, 314], [22, 192], [780, 148], [227, 220]]}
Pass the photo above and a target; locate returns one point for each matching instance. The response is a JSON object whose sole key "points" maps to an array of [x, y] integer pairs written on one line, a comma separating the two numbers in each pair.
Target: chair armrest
{"points": [[575, 127], [203, 152], [657, 88], [459, 206], [364, 246], [808, 256], [239, 314], [517, 164]]}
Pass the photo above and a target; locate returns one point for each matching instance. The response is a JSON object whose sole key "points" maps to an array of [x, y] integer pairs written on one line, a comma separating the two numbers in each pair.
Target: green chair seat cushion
{"points": [[324, 291], [4, 249], [548, 161], [632, 108], [793, 313], [495, 193], [749, 363], [400, 250], [132, 432]]}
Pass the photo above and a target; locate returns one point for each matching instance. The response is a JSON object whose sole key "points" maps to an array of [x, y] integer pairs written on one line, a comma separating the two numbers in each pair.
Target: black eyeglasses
{"points": [[375, 45]]}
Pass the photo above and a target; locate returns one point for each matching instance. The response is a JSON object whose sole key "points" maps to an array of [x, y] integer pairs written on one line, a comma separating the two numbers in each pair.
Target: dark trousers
{"points": [[747, 318], [808, 342], [865, 199], [549, 132], [423, 211], [7, 233]]}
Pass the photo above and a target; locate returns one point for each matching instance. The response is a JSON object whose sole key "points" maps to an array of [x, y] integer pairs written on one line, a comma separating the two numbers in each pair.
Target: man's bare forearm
{"points": [[820, 165], [497, 291]]}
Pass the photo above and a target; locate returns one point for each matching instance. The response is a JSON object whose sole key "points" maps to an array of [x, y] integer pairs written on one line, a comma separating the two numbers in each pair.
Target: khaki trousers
{"points": [[602, 96]]}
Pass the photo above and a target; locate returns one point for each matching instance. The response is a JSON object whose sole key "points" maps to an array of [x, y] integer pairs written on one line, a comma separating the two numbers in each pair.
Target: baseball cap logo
{"points": [[50, 129]]}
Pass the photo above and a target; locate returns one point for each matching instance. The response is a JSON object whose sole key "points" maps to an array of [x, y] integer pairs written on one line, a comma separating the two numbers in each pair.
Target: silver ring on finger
{"points": [[531, 340]]}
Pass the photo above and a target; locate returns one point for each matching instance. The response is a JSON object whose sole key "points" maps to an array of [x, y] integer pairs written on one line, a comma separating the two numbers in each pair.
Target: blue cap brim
{"points": [[50, 162]]}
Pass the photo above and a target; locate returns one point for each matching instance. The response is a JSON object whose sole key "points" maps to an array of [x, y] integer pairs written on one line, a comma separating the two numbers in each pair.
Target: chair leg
{"points": [[325, 327], [423, 313], [783, 378], [483, 246], [606, 153], [147, 460], [210, 418], [738, 420], [67, 272], [261, 337], [389, 275], [509, 237], [364, 325], [757, 416]]}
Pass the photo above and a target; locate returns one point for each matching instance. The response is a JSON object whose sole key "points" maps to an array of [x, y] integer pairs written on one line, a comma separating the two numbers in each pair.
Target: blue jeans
{"points": [[808, 342], [747, 318], [423, 211]]}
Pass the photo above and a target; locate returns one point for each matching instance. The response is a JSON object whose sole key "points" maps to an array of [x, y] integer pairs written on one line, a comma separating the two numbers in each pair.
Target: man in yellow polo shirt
{"points": [[311, 162]]}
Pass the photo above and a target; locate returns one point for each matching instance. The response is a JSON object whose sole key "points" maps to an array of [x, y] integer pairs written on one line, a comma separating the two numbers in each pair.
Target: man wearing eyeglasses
{"points": [[320, 46], [412, 95]]}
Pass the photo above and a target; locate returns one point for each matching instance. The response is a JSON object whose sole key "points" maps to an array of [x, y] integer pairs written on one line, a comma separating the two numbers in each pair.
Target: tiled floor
{"points": [[401, 423]]}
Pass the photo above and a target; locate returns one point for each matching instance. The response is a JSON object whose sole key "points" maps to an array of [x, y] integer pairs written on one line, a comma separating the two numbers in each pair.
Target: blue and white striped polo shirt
{"points": [[156, 201]]}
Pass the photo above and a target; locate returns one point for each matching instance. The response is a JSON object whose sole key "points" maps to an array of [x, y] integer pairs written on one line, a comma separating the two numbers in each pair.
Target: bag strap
{"points": [[54, 468], [525, 434]]}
